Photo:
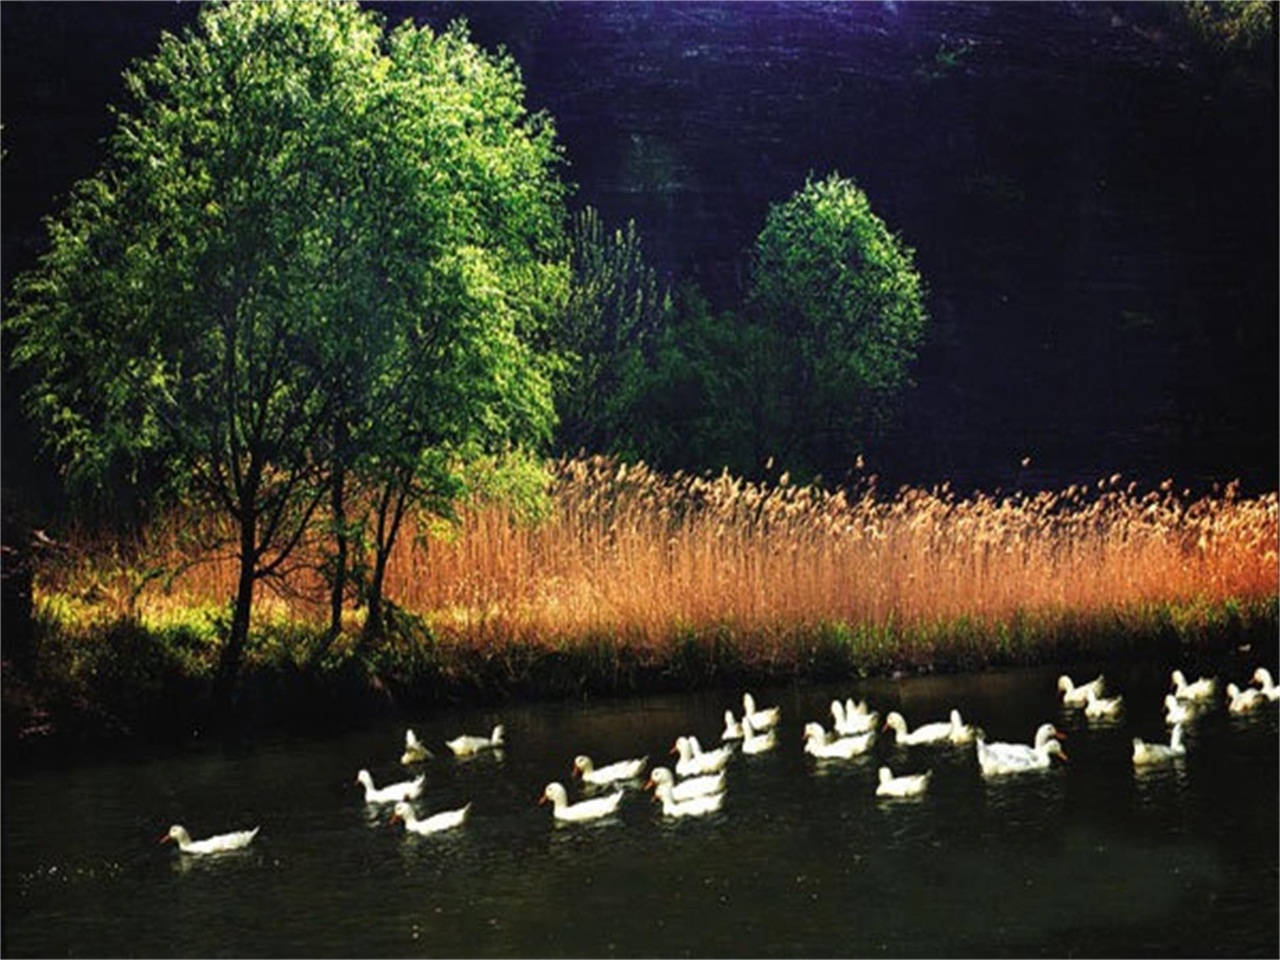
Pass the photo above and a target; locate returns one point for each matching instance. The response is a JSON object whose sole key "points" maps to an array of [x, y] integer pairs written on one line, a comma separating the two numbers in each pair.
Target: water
{"points": [[1088, 858]]}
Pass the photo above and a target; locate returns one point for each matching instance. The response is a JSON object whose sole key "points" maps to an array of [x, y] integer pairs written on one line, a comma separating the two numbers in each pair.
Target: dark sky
{"points": [[1091, 194]]}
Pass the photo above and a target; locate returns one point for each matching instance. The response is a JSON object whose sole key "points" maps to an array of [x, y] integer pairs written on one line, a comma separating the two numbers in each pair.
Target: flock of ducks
{"points": [[695, 783]]}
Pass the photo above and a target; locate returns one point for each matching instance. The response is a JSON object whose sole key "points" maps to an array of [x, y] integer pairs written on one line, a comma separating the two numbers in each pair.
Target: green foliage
{"points": [[616, 311], [313, 248], [842, 292]]}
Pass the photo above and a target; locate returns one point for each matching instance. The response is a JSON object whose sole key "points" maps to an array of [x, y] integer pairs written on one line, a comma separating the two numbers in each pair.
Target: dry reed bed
{"points": [[629, 553]]}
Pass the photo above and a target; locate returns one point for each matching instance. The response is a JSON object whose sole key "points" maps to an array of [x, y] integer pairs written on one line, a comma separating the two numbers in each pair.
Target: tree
{"points": [[616, 309], [313, 251], [835, 285]]}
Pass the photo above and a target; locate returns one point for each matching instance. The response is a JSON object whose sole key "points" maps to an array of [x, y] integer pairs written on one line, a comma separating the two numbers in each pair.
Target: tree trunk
{"points": [[232, 654], [338, 588]]}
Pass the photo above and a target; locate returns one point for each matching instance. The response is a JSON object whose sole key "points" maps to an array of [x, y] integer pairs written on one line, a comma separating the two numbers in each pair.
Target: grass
{"points": [[637, 580]]}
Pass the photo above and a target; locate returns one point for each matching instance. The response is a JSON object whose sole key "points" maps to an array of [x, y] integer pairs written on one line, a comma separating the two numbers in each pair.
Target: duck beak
{"points": [[163, 838], [650, 784]]}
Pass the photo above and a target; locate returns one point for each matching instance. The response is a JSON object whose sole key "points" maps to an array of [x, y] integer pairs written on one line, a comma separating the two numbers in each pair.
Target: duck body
{"points": [[692, 763], [1177, 711], [925, 733], [1148, 753], [592, 809], [437, 822], [467, 745], [1244, 701], [818, 744], [701, 786], [613, 772], [415, 751], [907, 785], [1262, 677], [961, 732], [1078, 696], [692, 807], [760, 719], [732, 728], [405, 790], [1000, 758], [753, 742], [1202, 689], [1097, 707], [852, 722], [221, 843]]}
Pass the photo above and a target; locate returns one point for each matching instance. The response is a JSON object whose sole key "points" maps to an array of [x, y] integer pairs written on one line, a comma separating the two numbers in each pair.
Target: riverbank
{"points": [[120, 686]]}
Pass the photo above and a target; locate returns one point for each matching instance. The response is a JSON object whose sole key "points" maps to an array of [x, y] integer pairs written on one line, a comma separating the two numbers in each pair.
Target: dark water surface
{"points": [[1088, 858]]}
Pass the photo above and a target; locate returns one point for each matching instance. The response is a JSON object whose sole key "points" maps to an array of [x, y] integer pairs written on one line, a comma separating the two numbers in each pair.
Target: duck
{"points": [[906, 785], [961, 732], [622, 770], [1078, 696], [1244, 701], [732, 728], [1177, 711], [852, 722], [445, 820], [818, 744], [692, 764], [1147, 753], [1202, 689], [1262, 677], [757, 741], [762, 719], [415, 751], [221, 843], [405, 790], [925, 733], [466, 745], [692, 807], [686, 789], [1001, 758], [1097, 707], [592, 809]]}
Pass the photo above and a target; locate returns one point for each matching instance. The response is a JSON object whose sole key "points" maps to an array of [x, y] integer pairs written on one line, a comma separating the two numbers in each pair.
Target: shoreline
{"points": [[143, 696]]}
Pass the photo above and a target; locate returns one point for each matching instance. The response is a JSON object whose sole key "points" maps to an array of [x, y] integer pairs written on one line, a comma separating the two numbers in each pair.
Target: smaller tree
{"points": [[616, 308], [841, 290]]}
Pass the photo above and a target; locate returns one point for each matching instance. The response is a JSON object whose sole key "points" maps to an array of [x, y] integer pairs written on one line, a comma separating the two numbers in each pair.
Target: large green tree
{"points": [[314, 252], [840, 292]]}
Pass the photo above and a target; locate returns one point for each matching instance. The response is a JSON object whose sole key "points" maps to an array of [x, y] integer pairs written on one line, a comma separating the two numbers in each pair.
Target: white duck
{"points": [[405, 790], [1097, 707], [1073, 696], [222, 843], [757, 741], [592, 809], [817, 743], [1147, 753], [622, 770], [732, 728], [1177, 711], [1000, 758], [762, 719], [692, 764], [925, 733], [1202, 689], [687, 789], [415, 751], [445, 820], [907, 785], [851, 723], [692, 807], [961, 732], [1244, 701], [1262, 677], [466, 745]]}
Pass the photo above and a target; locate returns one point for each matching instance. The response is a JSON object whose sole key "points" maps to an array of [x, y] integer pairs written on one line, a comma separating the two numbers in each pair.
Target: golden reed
{"points": [[631, 553]]}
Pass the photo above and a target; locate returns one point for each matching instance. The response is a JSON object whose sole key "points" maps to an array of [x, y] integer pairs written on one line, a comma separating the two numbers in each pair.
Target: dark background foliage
{"points": [[1090, 191]]}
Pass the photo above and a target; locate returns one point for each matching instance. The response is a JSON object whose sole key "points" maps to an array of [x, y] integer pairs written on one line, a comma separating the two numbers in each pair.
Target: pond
{"points": [[1088, 857]]}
